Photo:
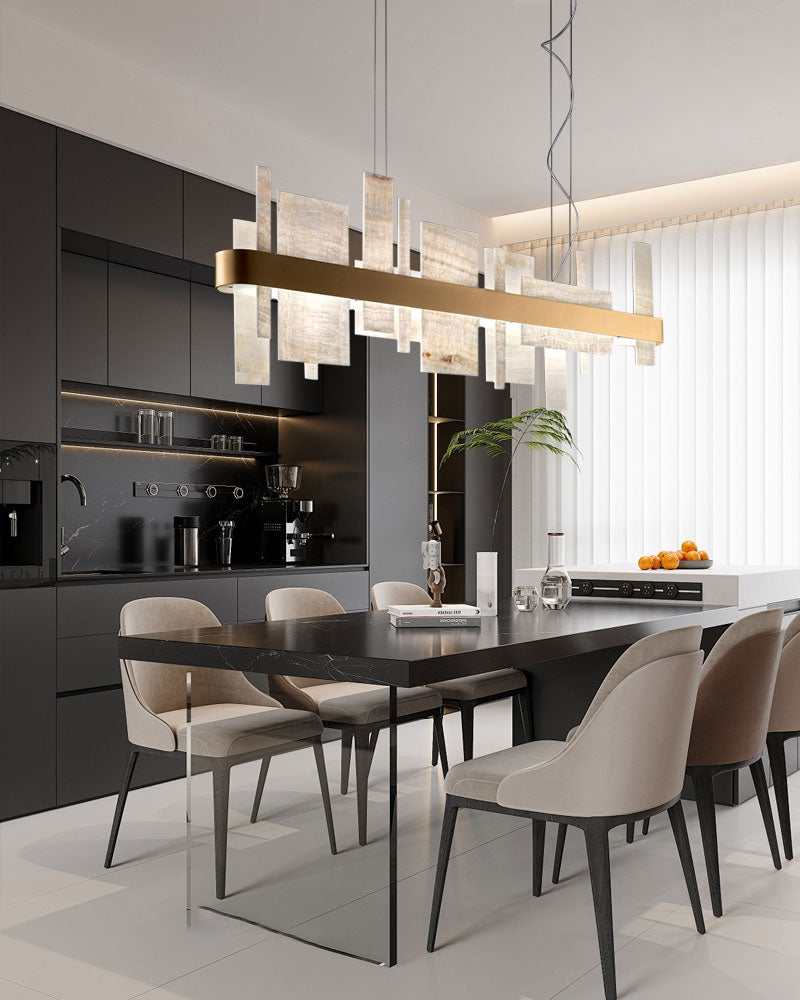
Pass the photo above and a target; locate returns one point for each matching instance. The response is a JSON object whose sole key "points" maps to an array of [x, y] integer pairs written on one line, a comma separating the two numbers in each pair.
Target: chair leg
{"points": [[347, 746], [538, 828], [559, 856], [445, 843], [373, 739], [262, 780], [363, 762], [630, 831], [646, 827], [524, 706], [467, 728], [678, 822], [760, 781], [221, 772], [434, 747], [706, 814], [122, 798], [600, 875], [777, 761], [319, 754], [438, 728]]}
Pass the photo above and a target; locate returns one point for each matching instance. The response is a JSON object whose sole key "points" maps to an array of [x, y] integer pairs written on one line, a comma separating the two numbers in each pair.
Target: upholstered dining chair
{"points": [[625, 761], [232, 721], [784, 723], [461, 694], [358, 711]]}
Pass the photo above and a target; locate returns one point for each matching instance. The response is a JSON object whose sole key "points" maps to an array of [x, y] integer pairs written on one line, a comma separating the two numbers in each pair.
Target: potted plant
{"points": [[539, 429]]}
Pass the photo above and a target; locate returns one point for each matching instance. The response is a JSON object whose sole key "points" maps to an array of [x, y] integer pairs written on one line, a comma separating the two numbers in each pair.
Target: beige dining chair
{"points": [[358, 711], [784, 723], [462, 694], [232, 722], [625, 761]]}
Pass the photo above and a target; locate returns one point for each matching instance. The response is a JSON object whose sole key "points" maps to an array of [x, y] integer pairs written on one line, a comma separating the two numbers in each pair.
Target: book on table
{"points": [[435, 621], [427, 611]]}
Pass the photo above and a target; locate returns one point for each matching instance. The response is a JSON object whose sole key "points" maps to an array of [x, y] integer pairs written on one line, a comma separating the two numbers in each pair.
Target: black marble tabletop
{"points": [[363, 646]]}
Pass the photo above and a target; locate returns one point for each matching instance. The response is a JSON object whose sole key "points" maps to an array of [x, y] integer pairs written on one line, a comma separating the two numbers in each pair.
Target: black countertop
{"points": [[363, 646]]}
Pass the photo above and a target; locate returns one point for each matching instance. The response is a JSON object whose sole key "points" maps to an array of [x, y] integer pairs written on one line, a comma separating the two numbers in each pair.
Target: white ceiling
{"points": [[665, 91]]}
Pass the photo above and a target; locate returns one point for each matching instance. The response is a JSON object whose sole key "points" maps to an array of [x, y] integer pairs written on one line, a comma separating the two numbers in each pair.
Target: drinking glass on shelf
{"points": [[235, 442], [166, 424], [147, 426], [526, 598], [218, 442]]}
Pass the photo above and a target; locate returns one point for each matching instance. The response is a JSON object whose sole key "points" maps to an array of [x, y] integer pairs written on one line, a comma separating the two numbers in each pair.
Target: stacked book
{"points": [[424, 616]]}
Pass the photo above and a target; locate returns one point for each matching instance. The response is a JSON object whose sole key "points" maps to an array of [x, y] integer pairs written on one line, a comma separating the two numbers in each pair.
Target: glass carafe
{"points": [[556, 590]]}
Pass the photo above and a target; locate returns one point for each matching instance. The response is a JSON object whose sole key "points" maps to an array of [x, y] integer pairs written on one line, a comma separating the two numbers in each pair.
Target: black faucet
{"points": [[67, 477]]}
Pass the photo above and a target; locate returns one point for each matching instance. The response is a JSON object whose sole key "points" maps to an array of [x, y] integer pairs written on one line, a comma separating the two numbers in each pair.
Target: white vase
{"points": [[487, 583]]}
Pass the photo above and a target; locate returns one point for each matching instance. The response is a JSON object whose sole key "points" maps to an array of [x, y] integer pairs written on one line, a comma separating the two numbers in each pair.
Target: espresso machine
{"points": [[284, 519]]}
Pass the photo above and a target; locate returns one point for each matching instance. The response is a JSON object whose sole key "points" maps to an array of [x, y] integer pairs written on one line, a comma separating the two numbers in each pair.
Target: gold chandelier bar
{"points": [[298, 274]]}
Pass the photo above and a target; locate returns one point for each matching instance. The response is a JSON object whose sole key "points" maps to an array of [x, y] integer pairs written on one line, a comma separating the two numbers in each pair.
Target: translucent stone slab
{"points": [[643, 297], [264, 242], [566, 340], [555, 380], [408, 322], [313, 329], [375, 319], [251, 352], [449, 341], [507, 358]]}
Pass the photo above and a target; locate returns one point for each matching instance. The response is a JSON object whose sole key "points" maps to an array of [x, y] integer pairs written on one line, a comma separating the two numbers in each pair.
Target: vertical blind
{"points": [[703, 445]]}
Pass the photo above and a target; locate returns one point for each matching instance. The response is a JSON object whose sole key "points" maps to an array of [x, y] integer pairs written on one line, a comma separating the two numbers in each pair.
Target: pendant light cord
{"points": [[572, 211]]}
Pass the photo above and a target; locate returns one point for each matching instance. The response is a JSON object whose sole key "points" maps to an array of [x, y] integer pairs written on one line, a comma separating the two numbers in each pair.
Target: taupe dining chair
{"points": [[625, 761], [784, 723], [730, 725], [462, 694], [358, 711], [232, 721]]}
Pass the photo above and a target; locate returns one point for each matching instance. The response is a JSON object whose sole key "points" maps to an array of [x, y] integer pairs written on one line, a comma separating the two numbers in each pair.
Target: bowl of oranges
{"points": [[688, 556]]}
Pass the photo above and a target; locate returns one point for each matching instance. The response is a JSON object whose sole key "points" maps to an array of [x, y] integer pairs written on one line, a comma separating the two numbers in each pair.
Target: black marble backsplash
{"points": [[117, 530]]}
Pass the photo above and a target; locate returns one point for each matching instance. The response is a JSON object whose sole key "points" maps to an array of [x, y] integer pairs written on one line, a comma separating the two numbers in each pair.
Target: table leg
{"points": [[392, 827], [188, 798]]}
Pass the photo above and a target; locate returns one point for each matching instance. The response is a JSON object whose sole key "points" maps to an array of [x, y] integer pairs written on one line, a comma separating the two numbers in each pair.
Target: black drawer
{"points": [[93, 609], [349, 587], [87, 661]]}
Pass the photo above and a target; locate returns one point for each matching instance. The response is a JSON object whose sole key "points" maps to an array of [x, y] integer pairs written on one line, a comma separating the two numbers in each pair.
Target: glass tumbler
{"points": [[166, 426], [556, 584], [147, 427], [526, 598]]}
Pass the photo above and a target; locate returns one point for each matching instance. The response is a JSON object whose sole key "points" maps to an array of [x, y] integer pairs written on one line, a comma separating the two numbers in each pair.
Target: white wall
{"points": [[63, 80]]}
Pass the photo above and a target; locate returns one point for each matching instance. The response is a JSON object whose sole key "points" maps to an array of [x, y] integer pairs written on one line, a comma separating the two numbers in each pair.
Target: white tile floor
{"points": [[71, 931]]}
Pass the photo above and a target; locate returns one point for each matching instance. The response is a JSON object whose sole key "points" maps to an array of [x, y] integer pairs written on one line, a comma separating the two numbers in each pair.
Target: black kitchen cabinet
{"points": [[28, 278], [209, 209], [93, 747], [83, 325], [398, 474], [212, 374], [27, 701], [106, 191], [148, 331], [289, 389]]}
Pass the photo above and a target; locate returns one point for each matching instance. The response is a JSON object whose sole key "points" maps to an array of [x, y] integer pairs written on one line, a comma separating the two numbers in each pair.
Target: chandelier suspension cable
{"points": [[572, 211]]}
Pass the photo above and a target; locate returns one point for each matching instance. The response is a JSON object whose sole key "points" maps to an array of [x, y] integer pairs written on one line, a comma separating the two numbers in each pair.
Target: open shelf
{"points": [[184, 446]]}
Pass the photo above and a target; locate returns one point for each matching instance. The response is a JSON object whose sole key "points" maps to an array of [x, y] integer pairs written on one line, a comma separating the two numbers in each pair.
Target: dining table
{"points": [[564, 654]]}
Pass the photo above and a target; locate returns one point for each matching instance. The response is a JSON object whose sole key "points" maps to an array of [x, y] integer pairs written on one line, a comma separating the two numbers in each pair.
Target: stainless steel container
{"points": [[187, 541], [225, 543]]}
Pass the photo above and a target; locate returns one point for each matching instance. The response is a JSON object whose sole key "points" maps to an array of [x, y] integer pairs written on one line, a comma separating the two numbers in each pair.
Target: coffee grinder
{"points": [[284, 519]]}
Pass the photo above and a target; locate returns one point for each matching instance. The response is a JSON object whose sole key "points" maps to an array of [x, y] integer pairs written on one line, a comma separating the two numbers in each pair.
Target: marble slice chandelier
{"points": [[441, 306]]}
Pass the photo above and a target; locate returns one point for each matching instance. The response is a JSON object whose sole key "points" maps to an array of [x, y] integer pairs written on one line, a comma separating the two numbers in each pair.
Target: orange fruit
{"points": [[689, 546], [670, 560], [703, 555], [692, 556], [655, 562], [662, 553], [645, 562]]}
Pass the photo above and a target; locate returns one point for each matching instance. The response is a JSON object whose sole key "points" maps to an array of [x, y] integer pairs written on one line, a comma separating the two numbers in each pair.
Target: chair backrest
{"points": [[152, 688], [287, 603], [785, 714], [383, 595], [736, 691], [629, 752]]}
